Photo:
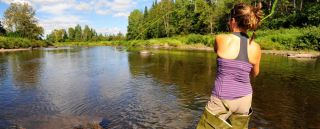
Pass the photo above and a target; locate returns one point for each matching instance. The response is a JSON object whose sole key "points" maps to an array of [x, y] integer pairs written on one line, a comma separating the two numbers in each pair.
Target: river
{"points": [[67, 87]]}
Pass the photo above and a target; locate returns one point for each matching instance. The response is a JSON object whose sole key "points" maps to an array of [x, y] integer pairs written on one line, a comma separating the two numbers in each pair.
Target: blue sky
{"points": [[105, 16]]}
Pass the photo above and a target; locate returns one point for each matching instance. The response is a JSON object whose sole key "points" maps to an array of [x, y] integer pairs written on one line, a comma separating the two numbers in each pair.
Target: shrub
{"points": [[309, 40], [16, 42], [196, 38]]}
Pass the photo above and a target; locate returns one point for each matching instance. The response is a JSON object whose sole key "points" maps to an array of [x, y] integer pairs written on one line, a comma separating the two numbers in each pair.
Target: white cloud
{"points": [[82, 6], [114, 30], [121, 5], [60, 22], [103, 12], [101, 7], [55, 9], [15, 1], [122, 14], [57, 14], [118, 8]]}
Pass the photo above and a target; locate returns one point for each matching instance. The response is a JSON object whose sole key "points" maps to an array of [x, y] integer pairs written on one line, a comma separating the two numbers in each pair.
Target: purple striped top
{"points": [[233, 79]]}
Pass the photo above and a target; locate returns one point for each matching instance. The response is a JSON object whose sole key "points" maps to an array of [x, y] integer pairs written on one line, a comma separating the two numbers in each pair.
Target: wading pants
{"points": [[226, 114]]}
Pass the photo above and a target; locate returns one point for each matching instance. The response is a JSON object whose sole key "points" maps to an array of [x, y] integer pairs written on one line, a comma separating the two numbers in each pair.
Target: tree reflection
{"points": [[191, 72], [25, 67]]}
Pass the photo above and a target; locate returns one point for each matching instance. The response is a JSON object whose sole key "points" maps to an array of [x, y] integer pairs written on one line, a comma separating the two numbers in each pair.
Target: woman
{"points": [[238, 58]]}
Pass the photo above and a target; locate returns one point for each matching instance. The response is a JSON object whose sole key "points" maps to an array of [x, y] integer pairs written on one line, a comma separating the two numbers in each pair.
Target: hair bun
{"points": [[247, 16], [256, 16]]}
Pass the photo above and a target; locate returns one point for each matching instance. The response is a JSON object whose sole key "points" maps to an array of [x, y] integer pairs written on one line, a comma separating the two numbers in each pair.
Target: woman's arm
{"points": [[256, 66]]}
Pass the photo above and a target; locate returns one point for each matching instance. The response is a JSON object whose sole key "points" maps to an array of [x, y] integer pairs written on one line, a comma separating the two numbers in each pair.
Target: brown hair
{"points": [[247, 16]]}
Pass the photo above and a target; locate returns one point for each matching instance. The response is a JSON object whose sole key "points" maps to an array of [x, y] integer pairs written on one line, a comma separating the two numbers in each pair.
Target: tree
{"points": [[86, 35], [20, 18], [65, 35], [183, 16], [145, 12], [78, 33], [71, 34], [166, 7], [2, 30], [135, 24], [202, 16]]}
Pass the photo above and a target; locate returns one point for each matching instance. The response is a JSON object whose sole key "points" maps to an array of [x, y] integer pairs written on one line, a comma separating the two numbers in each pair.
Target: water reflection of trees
{"points": [[285, 93], [192, 73], [3, 66], [25, 67]]}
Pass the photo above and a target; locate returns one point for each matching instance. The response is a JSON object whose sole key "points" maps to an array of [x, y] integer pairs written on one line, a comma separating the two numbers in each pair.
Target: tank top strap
{"points": [[243, 53]]}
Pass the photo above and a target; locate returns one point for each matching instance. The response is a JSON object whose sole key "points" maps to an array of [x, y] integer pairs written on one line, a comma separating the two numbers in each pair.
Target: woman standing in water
{"points": [[238, 58]]}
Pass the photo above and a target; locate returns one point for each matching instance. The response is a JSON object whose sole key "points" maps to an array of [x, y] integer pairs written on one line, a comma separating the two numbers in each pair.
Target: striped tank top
{"points": [[233, 75]]}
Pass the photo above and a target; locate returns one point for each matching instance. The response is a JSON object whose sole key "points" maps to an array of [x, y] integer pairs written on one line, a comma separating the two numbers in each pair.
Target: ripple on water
{"points": [[65, 88]]}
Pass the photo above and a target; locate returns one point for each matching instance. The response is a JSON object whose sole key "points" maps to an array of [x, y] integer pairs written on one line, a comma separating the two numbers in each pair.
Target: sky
{"points": [[105, 16]]}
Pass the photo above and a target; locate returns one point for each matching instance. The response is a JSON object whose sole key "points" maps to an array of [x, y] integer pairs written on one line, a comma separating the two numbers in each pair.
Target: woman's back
{"points": [[227, 46], [234, 68]]}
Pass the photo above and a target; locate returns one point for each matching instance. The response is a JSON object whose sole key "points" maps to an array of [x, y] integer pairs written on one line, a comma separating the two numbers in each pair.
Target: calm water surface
{"points": [[56, 89]]}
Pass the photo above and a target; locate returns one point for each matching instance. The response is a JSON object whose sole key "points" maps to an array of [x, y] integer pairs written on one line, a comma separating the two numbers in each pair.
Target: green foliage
{"points": [[182, 17], [76, 34], [15, 42], [196, 38], [287, 15], [309, 40], [134, 28], [289, 39], [20, 19], [179, 17]]}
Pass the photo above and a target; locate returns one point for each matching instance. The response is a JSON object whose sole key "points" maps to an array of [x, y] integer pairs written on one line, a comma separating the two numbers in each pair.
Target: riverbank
{"points": [[20, 43], [294, 42], [201, 47], [13, 50], [292, 39], [170, 44]]}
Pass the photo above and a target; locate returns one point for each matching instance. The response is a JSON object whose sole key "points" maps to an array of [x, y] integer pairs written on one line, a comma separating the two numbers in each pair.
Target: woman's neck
{"points": [[238, 30]]}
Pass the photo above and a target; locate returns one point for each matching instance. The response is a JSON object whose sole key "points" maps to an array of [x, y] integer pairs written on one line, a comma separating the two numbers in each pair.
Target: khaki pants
{"points": [[227, 107], [217, 112]]}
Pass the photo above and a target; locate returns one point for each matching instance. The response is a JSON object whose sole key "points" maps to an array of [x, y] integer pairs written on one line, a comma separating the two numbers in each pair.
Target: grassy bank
{"points": [[15, 43], [282, 39]]}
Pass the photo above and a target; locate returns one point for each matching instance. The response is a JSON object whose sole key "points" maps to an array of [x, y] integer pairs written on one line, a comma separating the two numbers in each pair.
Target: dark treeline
{"points": [[180, 17], [76, 34]]}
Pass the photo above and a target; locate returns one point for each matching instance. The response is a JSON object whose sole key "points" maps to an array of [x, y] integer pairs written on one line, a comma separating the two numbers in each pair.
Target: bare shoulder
{"points": [[256, 47], [221, 38]]}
